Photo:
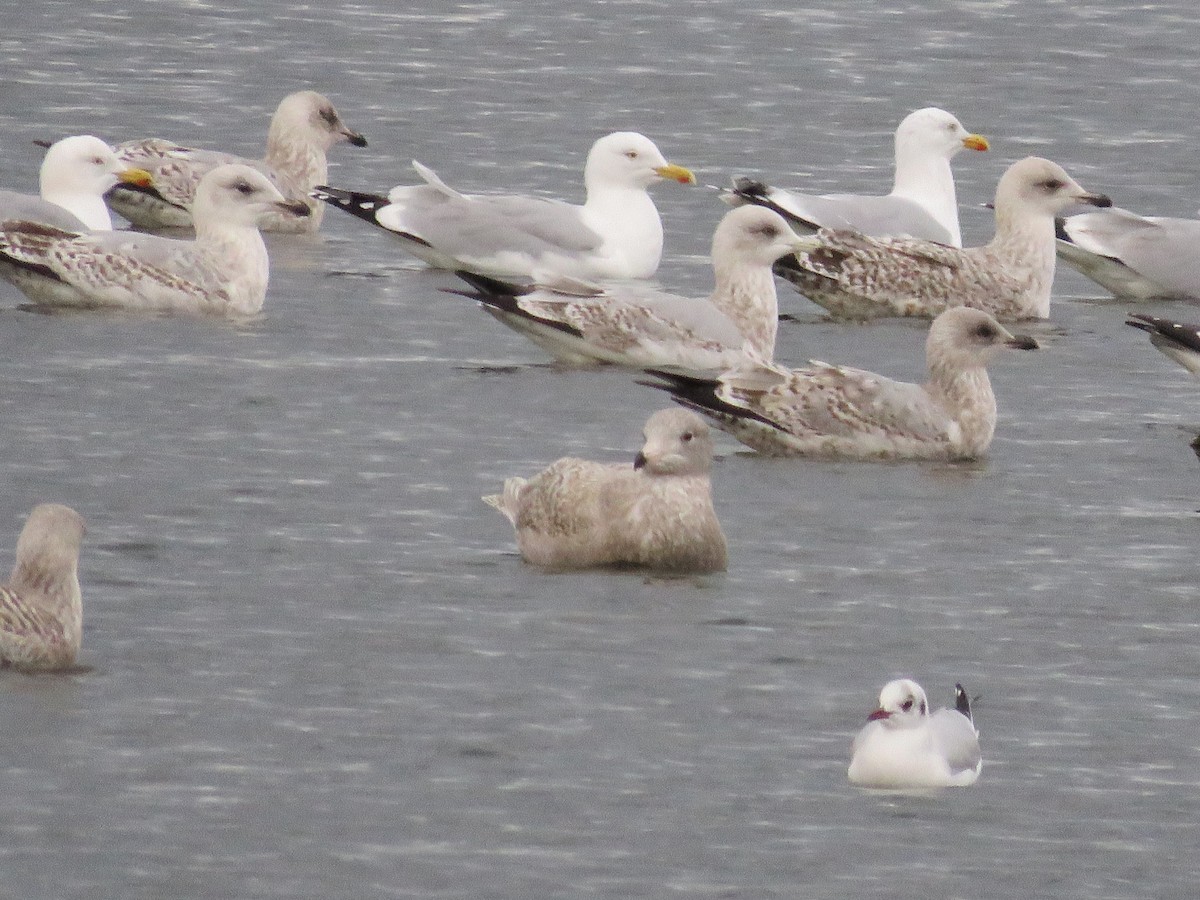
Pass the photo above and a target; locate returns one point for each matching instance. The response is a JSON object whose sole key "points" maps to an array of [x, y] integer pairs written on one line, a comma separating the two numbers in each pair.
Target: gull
{"points": [[1135, 257], [835, 411], [224, 270], [41, 612], [1177, 340], [615, 234], [859, 277], [632, 325], [75, 173], [922, 203], [305, 127], [656, 514], [903, 746]]}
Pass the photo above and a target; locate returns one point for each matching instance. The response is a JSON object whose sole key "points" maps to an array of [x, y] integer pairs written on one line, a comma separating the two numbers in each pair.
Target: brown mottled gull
{"points": [[75, 173], [1137, 257], [656, 514], [858, 277], [1178, 341], [41, 611], [922, 203], [223, 271], [305, 127], [903, 746], [835, 411], [633, 325], [616, 233]]}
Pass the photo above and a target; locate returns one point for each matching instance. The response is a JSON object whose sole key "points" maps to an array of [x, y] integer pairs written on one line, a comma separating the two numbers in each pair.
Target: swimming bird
{"points": [[632, 324], [903, 746], [1136, 257], [656, 514], [74, 175], [835, 411], [305, 127], [859, 277], [1177, 340], [223, 271], [922, 203], [616, 233], [41, 611]]}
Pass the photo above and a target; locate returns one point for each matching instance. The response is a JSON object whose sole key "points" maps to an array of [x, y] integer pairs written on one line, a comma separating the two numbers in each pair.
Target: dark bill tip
{"points": [[639, 461], [1022, 342]]}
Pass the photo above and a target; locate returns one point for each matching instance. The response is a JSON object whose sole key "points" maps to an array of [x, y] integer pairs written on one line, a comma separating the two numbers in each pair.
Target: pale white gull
{"points": [[632, 324], [835, 411], [859, 277], [305, 127], [1179, 341], [922, 203], [74, 175], [656, 514], [615, 234], [903, 746], [41, 608], [223, 271], [1135, 257]]}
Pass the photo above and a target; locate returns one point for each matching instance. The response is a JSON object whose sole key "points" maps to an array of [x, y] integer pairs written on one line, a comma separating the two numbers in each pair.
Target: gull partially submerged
{"points": [[859, 277], [632, 324], [223, 271], [305, 127], [74, 176], [903, 746], [922, 203], [41, 607], [656, 514], [835, 411], [616, 233]]}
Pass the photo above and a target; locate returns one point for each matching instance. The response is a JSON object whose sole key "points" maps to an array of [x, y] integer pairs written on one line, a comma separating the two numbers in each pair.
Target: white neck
{"points": [[966, 395], [628, 223], [926, 179], [92, 211], [222, 242], [746, 294], [1025, 243]]}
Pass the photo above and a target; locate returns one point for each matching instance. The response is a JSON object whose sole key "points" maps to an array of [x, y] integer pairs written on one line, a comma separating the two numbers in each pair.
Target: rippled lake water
{"points": [[318, 667]]}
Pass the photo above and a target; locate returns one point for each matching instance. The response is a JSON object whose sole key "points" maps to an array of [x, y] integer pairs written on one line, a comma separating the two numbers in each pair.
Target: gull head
{"points": [[239, 195], [964, 338], [677, 442], [85, 166], [1041, 188], [902, 704], [627, 159], [753, 235], [936, 133], [48, 548], [313, 116]]}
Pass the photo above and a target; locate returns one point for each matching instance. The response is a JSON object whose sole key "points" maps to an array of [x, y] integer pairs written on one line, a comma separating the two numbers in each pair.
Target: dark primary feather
{"points": [[1182, 333]]}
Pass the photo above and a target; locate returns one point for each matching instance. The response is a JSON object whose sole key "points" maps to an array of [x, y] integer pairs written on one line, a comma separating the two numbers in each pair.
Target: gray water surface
{"points": [[319, 668]]}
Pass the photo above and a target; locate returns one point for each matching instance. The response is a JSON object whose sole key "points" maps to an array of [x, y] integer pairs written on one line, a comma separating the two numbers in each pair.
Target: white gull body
{"points": [[656, 514], [223, 271], [73, 178], [922, 204], [835, 411], [41, 607], [1135, 257], [859, 277], [633, 325], [615, 234], [903, 746], [306, 125]]}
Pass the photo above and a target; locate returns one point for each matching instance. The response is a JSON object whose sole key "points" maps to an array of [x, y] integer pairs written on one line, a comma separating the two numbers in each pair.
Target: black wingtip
{"points": [[492, 287], [962, 700]]}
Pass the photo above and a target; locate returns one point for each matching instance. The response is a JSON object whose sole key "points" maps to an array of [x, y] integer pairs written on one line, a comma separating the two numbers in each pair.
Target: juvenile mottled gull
{"points": [[656, 514], [903, 746], [834, 411], [41, 612], [633, 325], [75, 173], [1137, 257], [859, 277], [1178, 340], [616, 233], [223, 271], [305, 127], [922, 203]]}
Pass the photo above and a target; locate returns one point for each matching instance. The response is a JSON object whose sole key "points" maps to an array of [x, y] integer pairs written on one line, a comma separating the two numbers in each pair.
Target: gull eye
{"points": [[907, 704], [97, 160], [631, 154], [243, 187], [985, 332], [329, 115], [1050, 185], [686, 437], [768, 231]]}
